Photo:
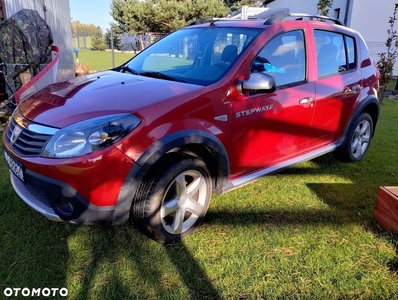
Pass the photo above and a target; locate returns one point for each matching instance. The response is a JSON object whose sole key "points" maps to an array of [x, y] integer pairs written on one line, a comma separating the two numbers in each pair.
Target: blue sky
{"points": [[91, 12]]}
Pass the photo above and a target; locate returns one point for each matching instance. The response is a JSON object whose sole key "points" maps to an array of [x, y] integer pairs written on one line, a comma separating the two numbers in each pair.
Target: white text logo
{"points": [[35, 292]]}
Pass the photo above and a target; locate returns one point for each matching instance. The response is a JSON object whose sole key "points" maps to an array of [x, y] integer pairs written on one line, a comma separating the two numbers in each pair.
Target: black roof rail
{"points": [[279, 17], [201, 21], [211, 21], [270, 20]]}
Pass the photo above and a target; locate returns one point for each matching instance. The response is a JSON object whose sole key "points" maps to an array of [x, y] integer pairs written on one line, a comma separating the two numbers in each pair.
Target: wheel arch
{"points": [[369, 105], [195, 143]]}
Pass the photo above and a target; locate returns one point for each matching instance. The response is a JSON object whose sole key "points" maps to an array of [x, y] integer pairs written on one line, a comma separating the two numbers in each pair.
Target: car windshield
{"points": [[193, 55]]}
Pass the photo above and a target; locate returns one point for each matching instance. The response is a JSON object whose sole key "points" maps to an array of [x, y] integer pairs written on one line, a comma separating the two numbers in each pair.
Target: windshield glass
{"points": [[194, 55]]}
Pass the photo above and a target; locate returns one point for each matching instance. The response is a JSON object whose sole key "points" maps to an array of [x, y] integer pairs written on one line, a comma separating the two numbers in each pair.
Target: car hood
{"points": [[99, 94]]}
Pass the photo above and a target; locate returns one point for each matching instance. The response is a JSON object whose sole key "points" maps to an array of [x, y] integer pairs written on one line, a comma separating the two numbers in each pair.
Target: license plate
{"points": [[15, 166]]}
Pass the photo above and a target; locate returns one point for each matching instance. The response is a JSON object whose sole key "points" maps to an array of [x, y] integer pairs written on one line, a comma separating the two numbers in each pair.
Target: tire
{"points": [[358, 139], [172, 203]]}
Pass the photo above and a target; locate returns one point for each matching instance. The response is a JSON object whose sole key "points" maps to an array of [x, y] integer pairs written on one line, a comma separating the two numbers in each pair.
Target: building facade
{"points": [[368, 17]]}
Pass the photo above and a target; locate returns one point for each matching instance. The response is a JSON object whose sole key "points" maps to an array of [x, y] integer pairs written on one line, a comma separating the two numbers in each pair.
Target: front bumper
{"points": [[90, 189], [59, 202], [35, 198]]}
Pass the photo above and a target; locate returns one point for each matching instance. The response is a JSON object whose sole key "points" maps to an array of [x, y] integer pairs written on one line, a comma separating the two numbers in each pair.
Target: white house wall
{"points": [[310, 7], [57, 16], [294, 6], [369, 17]]}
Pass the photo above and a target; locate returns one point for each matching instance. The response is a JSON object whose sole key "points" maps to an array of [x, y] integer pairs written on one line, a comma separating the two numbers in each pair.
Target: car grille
{"points": [[28, 143]]}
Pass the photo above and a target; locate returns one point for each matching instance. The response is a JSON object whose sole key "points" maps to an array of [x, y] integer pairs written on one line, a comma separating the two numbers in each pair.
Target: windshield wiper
{"points": [[160, 76], [128, 69]]}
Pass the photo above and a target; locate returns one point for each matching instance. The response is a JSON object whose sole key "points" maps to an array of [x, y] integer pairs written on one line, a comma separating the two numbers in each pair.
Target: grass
{"points": [[101, 60], [305, 233]]}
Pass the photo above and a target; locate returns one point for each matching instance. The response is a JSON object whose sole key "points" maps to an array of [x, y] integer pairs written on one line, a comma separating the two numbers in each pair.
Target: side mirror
{"points": [[258, 83]]}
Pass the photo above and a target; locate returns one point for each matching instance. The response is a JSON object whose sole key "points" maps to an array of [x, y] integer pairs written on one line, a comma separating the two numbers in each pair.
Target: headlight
{"points": [[90, 135]]}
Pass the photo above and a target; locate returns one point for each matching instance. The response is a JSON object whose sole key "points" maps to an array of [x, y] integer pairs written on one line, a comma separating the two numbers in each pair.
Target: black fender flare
{"points": [[155, 152], [370, 100]]}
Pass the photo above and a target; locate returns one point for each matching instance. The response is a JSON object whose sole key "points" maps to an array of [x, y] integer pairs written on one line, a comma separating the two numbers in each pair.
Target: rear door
{"points": [[338, 85]]}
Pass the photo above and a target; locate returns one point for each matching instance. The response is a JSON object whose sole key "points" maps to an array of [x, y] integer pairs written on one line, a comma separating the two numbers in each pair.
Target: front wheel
{"points": [[174, 202], [358, 139]]}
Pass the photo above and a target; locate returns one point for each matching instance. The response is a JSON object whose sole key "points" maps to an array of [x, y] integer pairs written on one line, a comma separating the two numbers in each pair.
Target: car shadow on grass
{"points": [[119, 247], [94, 262], [121, 252], [121, 263], [354, 201]]}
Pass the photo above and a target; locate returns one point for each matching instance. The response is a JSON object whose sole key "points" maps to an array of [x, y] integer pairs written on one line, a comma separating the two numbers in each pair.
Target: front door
{"points": [[269, 128]]}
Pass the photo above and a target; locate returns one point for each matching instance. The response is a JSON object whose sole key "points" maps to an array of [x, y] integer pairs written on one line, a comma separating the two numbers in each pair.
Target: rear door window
{"points": [[335, 52]]}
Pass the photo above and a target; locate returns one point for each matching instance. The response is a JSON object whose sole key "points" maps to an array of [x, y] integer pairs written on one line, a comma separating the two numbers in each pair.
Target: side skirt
{"points": [[238, 182]]}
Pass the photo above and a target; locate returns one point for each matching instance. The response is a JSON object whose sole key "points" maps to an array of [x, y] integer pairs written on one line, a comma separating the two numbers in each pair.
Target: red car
{"points": [[208, 108]]}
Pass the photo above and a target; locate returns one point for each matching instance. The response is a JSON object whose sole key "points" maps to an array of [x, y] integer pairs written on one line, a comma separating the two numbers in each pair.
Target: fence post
{"points": [[84, 41], [78, 44], [113, 49]]}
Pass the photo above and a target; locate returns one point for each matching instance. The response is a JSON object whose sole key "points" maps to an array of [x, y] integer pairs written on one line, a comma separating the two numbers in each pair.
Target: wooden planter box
{"points": [[386, 210]]}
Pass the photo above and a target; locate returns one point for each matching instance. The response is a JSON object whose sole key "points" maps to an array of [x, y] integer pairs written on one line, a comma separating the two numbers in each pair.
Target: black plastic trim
{"points": [[158, 150], [83, 211], [371, 99], [279, 17], [182, 138]]}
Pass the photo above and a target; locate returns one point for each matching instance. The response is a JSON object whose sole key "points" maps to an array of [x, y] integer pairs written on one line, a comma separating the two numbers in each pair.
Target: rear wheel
{"points": [[358, 139], [173, 202]]}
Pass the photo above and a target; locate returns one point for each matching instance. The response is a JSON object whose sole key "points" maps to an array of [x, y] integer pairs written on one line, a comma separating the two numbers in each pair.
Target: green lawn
{"points": [[305, 233], [101, 60]]}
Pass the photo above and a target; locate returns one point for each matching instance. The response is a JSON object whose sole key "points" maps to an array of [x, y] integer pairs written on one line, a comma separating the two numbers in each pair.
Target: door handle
{"points": [[306, 100], [356, 89]]}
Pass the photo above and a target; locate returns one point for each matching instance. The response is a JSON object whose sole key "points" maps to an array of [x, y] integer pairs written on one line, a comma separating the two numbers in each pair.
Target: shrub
{"points": [[98, 41], [387, 58]]}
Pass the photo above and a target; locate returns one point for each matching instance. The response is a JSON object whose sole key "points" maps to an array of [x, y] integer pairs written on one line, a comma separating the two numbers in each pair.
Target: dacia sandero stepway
{"points": [[209, 108]]}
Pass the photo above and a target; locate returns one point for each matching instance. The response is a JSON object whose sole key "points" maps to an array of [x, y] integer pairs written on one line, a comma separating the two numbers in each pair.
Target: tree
{"points": [[388, 58], [323, 7], [135, 16], [98, 41], [117, 44], [83, 29], [131, 16]]}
